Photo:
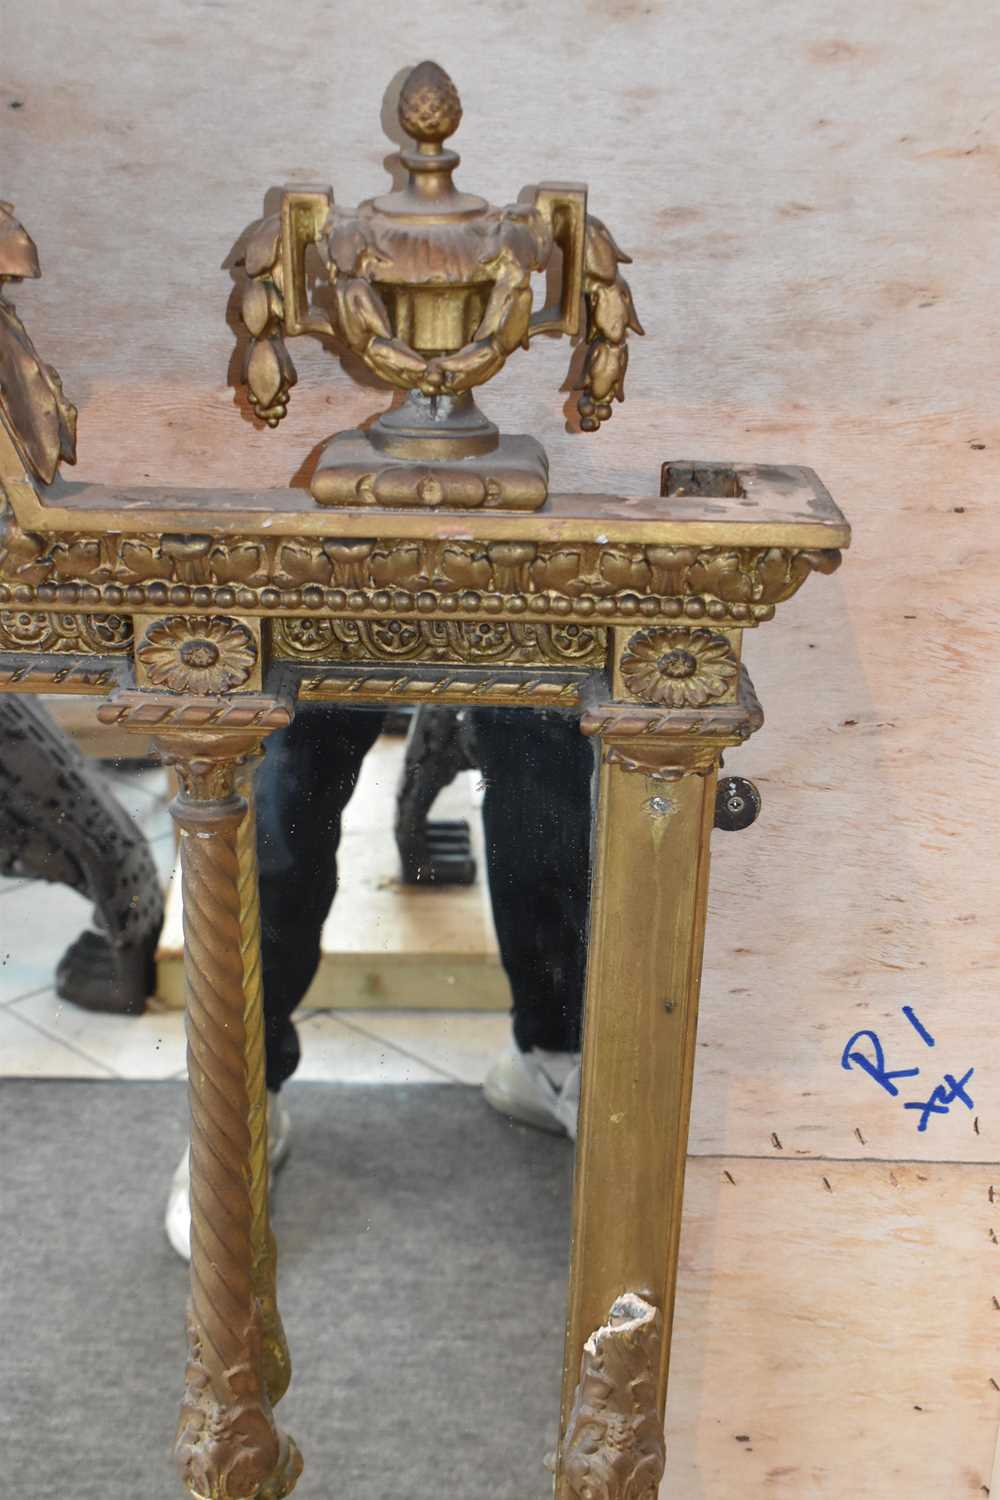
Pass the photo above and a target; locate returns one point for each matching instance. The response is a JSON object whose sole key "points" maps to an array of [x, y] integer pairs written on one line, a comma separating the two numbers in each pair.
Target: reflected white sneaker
{"points": [[537, 1087], [177, 1221]]}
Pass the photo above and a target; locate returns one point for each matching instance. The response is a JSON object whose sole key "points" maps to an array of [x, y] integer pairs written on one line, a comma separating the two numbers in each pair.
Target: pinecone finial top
{"points": [[429, 107]]}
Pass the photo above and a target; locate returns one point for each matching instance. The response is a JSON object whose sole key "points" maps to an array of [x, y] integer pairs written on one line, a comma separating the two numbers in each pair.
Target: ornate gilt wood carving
{"points": [[587, 580], [187, 655], [42, 674], [667, 744], [679, 668], [149, 711], [432, 289], [39, 420], [275, 1359], [439, 642], [228, 1445], [200, 615], [54, 633], [613, 1448], [506, 689]]}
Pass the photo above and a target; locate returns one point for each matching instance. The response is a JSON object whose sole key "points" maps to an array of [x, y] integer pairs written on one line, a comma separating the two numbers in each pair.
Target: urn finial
{"points": [[434, 289]]}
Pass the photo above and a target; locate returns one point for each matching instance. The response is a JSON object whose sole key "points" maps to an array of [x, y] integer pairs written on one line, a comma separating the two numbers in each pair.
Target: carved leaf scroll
{"points": [[587, 578], [439, 641], [613, 1447], [38, 417]]}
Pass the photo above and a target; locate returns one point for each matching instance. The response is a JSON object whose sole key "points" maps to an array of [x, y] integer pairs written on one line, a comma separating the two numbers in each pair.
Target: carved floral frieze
{"points": [[441, 642], [36, 630], [395, 576]]}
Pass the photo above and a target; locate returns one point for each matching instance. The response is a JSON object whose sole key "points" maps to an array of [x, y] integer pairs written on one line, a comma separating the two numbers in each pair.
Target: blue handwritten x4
{"points": [[872, 1061]]}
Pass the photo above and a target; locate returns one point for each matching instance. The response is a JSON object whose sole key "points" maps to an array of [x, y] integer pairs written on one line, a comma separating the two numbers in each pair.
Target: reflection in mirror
{"points": [[423, 889]]}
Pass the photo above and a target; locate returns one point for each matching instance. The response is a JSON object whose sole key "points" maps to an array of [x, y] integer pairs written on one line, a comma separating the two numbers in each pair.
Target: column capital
{"points": [[205, 739], [255, 714], [668, 743]]}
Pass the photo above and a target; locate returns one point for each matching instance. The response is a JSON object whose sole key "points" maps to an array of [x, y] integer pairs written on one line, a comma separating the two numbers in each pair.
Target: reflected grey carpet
{"points": [[422, 1277]]}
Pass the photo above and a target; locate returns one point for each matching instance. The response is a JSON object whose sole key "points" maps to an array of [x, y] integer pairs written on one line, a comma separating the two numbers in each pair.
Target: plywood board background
{"points": [[811, 193]]}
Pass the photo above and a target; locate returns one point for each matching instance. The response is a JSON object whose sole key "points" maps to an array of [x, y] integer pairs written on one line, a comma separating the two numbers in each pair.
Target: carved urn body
{"points": [[431, 287]]}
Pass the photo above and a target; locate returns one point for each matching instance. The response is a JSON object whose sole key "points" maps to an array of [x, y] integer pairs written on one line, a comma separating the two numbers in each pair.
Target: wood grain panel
{"points": [[835, 1333], [811, 194]]}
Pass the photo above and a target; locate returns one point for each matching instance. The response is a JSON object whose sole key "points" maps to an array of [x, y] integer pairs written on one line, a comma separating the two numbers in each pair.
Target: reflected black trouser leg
{"points": [[310, 770], [539, 772]]}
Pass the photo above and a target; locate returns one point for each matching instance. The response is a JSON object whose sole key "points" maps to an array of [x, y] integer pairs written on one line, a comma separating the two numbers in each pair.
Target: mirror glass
{"points": [[424, 882]]}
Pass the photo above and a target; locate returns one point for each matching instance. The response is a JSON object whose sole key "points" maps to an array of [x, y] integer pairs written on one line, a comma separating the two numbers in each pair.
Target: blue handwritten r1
{"points": [[872, 1061], [875, 1069]]}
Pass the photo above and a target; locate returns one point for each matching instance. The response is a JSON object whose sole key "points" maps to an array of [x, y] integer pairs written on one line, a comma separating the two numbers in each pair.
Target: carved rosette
{"points": [[613, 1447], [197, 656], [679, 668]]}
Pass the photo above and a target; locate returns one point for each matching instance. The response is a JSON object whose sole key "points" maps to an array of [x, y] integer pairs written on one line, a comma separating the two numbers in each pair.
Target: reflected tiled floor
{"points": [[26, 1052], [37, 922], [458, 1045], [43, 1037], [149, 1046]]}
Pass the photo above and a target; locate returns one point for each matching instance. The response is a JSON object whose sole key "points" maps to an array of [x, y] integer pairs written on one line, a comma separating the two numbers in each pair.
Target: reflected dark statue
{"points": [[58, 818], [60, 821]]}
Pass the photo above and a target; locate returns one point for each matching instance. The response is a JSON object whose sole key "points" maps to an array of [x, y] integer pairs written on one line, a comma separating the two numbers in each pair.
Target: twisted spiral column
{"points": [[277, 1362], [228, 1446]]}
